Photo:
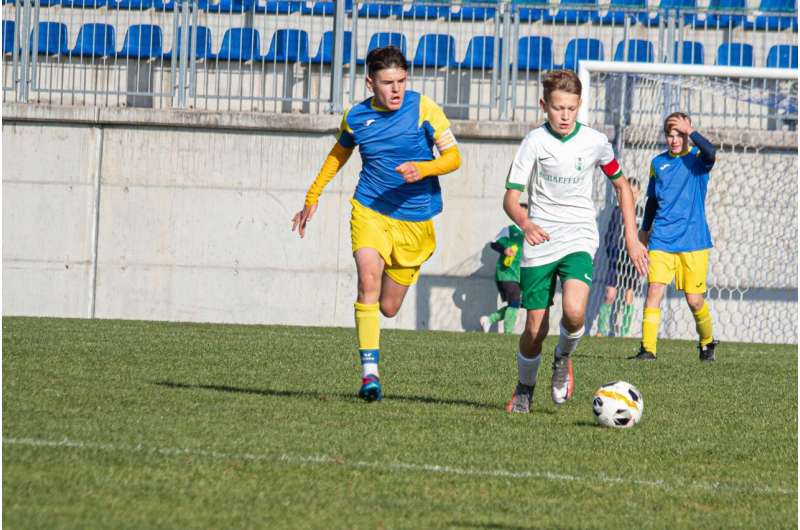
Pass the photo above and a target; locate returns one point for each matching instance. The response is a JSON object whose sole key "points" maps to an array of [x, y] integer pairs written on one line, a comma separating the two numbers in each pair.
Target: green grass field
{"points": [[110, 424]]}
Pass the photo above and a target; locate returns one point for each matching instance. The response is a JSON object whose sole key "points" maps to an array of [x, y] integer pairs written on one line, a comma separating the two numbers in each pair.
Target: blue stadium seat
{"points": [[674, 7], [688, 52], [735, 54], [567, 15], [386, 38], [782, 56], [8, 36], [431, 9], [240, 44], [480, 53], [619, 10], [133, 5], [782, 13], [535, 53], [228, 6], [372, 9], [476, 10], [142, 41], [582, 49], [202, 43], [84, 4], [95, 40], [729, 19], [288, 46], [279, 7], [52, 39], [326, 8], [529, 10], [639, 51], [435, 50], [325, 51]]}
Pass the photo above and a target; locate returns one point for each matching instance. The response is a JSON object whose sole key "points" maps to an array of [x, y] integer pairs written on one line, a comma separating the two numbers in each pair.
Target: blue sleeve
{"points": [[707, 154]]}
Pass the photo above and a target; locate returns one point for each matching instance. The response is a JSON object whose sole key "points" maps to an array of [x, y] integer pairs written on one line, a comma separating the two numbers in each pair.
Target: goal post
{"points": [[750, 114]]}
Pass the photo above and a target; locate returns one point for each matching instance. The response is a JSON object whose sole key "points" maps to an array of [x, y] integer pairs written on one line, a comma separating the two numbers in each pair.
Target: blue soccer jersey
{"points": [[387, 139], [679, 183]]}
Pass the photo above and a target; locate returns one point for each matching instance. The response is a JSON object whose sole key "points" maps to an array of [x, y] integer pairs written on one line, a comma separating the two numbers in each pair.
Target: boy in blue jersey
{"points": [[396, 197], [676, 232]]}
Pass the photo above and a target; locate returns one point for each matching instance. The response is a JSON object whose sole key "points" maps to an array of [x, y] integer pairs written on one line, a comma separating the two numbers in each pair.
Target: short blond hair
{"points": [[564, 80]]}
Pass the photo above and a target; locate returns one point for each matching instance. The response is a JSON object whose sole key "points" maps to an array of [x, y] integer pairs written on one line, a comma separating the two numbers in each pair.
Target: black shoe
{"points": [[707, 351], [643, 355]]}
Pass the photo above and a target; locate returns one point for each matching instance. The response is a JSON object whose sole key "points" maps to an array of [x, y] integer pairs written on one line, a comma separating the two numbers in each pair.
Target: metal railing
{"points": [[480, 61]]}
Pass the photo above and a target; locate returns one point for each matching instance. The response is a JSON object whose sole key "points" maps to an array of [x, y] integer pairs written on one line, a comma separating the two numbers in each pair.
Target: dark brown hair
{"points": [[383, 58], [674, 115], [564, 80]]}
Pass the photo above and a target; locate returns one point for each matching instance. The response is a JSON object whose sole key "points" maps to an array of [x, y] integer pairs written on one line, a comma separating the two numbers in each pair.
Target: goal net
{"points": [[750, 114]]}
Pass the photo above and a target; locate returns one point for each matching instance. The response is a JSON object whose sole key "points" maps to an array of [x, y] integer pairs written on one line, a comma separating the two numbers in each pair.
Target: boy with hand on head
{"points": [[396, 197], [556, 164], [676, 232]]}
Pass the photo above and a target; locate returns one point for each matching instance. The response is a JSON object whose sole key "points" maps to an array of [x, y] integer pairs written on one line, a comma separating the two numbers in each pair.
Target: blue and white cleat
{"points": [[371, 389]]}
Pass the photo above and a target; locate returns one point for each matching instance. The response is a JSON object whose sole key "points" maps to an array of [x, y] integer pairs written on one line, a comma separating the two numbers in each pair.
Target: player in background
{"points": [[509, 244], [556, 164], [396, 197], [621, 272], [676, 232]]}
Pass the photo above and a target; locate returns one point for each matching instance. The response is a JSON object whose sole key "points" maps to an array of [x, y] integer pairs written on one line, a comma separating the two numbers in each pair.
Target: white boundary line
{"points": [[323, 460]]}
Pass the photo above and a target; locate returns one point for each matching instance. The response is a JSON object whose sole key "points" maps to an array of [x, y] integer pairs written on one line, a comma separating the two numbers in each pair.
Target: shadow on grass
{"points": [[325, 396], [499, 526]]}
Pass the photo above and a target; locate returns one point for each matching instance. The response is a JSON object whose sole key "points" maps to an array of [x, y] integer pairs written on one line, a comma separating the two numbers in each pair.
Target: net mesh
{"points": [[751, 204]]}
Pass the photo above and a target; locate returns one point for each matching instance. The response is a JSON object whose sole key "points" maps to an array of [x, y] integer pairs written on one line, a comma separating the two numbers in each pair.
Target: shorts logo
{"points": [[579, 163], [587, 276]]}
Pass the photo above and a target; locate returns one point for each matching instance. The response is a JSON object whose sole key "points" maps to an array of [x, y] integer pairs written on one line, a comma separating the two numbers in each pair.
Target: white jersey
{"points": [[558, 173]]}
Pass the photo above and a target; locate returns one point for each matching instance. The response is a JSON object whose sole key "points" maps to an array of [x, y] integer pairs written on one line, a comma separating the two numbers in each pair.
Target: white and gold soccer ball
{"points": [[618, 404]]}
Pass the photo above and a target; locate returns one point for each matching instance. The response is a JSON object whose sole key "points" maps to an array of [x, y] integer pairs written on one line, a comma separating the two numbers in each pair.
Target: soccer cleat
{"points": [[643, 355], [371, 389], [522, 399], [707, 351], [562, 383], [486, 324]]}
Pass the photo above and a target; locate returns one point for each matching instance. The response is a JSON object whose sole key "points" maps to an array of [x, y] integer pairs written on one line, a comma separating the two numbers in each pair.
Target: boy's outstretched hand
{"points": [[301, 219], [638, 254]]}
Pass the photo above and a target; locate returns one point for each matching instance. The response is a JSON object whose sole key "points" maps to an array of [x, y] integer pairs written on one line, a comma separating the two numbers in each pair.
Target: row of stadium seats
{"points": [[778, 14], [433, 50]]}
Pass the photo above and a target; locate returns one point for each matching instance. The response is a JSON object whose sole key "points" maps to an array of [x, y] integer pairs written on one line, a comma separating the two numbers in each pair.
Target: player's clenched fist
{"points": [[409, 171], [535, 234]]}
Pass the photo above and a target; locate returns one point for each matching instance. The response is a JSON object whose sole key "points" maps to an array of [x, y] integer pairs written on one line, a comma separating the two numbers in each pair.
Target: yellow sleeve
{"points": [[334, 161], [450, 160], [432, 113]]}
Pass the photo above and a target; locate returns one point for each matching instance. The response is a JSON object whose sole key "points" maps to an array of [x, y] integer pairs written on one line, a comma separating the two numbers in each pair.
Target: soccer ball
{"points": [[618, 404]]}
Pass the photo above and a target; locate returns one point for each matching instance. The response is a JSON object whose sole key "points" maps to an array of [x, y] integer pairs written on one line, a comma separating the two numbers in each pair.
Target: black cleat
{"points": [[643, 355], [707, 351]]}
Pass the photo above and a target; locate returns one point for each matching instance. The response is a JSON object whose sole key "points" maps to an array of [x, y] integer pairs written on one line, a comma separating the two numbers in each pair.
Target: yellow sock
{"points": [[650, 324], [703, 323], [368, 326]]}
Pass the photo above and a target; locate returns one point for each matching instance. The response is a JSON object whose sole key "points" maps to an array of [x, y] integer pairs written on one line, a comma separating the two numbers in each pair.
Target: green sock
{"points": [[627, 317], [603, 318], [510, 320], [498, 315]]}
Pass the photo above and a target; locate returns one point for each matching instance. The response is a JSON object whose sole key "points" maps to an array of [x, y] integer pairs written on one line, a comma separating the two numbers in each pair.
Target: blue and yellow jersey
{"points": [[387, 139], [679, 183]]}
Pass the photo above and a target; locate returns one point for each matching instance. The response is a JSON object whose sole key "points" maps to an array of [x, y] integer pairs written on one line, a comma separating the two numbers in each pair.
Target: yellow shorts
{"points": [[403, 245], [688, 268]]}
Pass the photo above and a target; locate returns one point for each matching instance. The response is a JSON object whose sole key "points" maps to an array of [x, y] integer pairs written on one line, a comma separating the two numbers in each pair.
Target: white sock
{"points": [[528, 368], [369, 369], [567, 342]]}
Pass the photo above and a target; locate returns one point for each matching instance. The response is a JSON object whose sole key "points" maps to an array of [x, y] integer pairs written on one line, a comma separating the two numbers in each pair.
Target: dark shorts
{"points": [[509, 292]]}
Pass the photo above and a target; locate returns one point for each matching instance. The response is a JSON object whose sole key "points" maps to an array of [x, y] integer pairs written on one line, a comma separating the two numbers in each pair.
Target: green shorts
{"points": [[539, 283]]}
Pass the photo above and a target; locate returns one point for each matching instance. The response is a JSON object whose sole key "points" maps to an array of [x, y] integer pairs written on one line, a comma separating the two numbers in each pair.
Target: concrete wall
{"points": [[193, 212]]}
